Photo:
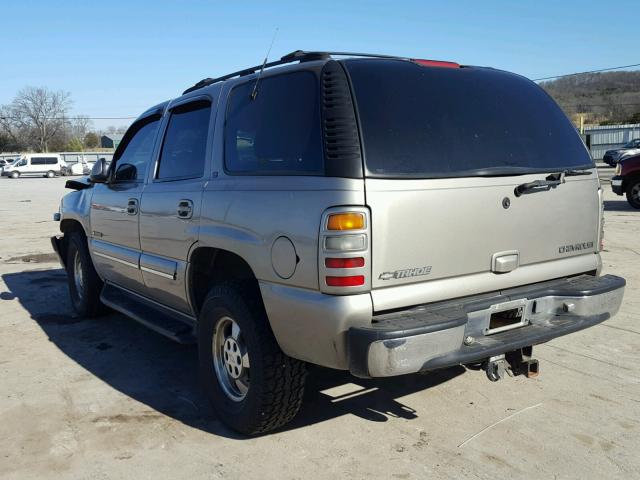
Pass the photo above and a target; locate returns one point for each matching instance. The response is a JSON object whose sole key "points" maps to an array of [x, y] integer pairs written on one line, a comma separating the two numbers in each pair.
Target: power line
{"points": [[590, 71]]}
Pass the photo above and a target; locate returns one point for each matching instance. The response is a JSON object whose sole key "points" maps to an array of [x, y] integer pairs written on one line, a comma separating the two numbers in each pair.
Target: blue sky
{"points": [[117, 58]]}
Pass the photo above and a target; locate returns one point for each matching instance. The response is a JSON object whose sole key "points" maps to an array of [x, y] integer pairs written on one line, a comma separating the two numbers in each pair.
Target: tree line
{"points": [[601, 98], [38, 120]]}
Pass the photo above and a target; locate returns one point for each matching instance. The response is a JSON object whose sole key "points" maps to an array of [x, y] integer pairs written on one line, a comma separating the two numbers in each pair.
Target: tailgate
{"points": [[428, 230]]}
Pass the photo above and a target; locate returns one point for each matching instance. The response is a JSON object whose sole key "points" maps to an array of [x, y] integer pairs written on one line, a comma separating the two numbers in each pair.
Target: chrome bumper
{"points": [[453, 333]]}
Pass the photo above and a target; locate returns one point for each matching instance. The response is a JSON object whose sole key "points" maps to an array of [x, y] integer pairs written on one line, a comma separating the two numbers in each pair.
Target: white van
{"points": [[35, 164]]}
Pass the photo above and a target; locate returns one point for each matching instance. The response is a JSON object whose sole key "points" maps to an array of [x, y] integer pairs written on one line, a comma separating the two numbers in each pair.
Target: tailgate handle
{"points": [[503, 262]]}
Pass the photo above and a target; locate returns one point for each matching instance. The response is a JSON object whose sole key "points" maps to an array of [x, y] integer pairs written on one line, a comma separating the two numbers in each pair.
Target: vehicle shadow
{"points": [[618, 206], [163, 375]]}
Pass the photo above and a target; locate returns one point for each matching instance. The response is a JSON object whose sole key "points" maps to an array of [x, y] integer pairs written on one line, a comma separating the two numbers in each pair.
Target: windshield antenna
{"points": [[254, 93]]}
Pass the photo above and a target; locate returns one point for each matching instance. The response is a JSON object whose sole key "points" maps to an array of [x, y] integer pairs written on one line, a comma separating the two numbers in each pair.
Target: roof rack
{"points": [[297, 56]]}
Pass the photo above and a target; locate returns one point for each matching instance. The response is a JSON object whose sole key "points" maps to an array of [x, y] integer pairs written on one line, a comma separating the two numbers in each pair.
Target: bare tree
{"points": [[114, 129], [39, 113], [10, 130], [77, 128]]}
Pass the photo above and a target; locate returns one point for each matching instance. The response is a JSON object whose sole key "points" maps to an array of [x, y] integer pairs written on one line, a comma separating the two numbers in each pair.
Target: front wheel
{"points": [[251, 383], [633, 193], [84, 283], [15, 174]]}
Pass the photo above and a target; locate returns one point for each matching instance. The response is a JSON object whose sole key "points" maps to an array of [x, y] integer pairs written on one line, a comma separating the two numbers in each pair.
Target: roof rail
{"points": [[297, 56]]}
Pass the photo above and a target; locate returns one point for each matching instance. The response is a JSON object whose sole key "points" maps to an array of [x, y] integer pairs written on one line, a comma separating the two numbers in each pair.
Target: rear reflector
{"points": [[353, 281], [435, 63], [344, 262]]}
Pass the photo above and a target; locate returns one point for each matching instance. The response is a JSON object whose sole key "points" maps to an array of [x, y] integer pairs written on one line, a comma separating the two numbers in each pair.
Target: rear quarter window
{"points": [[278, 132]]}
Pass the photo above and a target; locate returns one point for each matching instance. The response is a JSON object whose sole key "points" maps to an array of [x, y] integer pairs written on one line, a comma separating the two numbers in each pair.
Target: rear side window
{"points": [[44, 161], [426, 122], [185, 143], [278, 132], [132, 160]]}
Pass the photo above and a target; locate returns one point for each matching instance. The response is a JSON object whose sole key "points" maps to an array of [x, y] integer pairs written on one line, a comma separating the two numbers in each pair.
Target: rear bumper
{"points": [[616, 185], [453, 333]]}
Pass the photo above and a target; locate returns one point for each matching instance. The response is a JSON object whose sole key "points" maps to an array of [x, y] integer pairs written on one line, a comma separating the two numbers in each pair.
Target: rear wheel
{"points": [[633, 192], [251, 383], [51, 174], [84, 283]]}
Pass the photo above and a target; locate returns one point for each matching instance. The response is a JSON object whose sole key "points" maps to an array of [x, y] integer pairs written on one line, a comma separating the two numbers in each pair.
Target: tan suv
{"points": [[376, 214]]}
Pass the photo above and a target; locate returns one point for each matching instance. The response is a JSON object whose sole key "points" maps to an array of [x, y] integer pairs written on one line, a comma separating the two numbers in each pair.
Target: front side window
{"points": [[133, 159], [277, 132], [22, 163], [185, 143]]}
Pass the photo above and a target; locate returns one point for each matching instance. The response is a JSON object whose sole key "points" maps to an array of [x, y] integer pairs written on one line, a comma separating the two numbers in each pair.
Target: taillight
{"points": [[344, 251], [345, 243], [350, 281], [346, 221], [355, 262]]}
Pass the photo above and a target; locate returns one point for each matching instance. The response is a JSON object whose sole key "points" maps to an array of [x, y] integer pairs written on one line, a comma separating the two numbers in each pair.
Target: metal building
{"points": [[601, 138], [111, 140]]}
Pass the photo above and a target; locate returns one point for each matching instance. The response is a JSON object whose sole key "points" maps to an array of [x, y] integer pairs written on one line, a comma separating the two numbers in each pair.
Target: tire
{"points": [[84, 291], [50, 174], [15, 174], [274, 382], [633, 192]]}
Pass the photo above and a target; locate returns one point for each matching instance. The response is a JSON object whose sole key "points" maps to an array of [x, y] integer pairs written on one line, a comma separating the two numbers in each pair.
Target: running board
{"points": [[174, 325]]}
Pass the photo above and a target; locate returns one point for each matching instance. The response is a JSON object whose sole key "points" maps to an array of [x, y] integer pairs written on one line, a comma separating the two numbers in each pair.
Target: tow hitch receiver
{"points": [[517, 362]]}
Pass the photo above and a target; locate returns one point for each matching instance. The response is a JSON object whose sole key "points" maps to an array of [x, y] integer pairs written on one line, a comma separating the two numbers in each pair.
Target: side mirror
{"points": [[99, 172]]}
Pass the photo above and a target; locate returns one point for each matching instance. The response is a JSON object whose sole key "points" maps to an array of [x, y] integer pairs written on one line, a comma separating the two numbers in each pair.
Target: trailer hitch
{"points": [[517, 362]]}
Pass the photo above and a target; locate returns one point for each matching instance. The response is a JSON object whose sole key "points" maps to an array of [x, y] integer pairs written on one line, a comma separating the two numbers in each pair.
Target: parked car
{"points": [[410, 237], [78, 168], [612, 157], [5, 162], [627, 180], [38, 164]]}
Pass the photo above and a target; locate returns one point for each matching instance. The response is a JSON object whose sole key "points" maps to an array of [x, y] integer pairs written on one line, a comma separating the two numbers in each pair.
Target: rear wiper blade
{"points": [[537, 185], [568, 173], [552, 181]]}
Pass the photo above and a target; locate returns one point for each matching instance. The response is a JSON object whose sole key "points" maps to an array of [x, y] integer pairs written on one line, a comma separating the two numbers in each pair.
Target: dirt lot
{"points": [[106, 398]]}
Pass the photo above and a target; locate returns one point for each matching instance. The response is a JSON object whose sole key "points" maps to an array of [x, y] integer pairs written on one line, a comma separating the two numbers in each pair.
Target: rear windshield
{"points": [[426, 122]]}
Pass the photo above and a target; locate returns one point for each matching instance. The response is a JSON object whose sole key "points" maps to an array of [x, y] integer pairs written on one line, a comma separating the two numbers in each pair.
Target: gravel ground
{"points": [[106, 398]]}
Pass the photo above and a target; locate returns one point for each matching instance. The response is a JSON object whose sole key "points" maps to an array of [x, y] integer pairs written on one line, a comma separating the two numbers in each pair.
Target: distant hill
{"points": [[604, 98]]}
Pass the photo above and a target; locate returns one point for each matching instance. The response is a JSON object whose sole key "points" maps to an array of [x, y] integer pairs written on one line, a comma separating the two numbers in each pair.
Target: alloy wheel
{"points": [[231, 359]]}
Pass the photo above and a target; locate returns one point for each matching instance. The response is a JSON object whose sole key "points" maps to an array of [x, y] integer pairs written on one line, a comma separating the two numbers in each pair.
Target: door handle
{"points": [[185, 209], [132, 206]]}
